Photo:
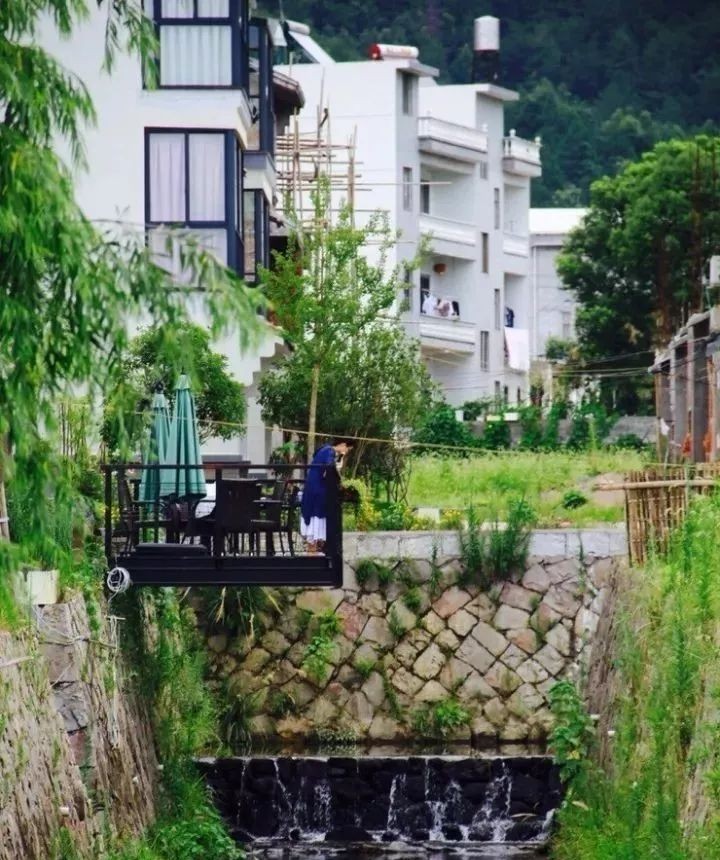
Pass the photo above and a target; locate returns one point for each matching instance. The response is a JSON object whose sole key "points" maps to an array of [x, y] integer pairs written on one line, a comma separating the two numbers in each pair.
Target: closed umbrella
{"points": [[186, 483], [157, 443]]}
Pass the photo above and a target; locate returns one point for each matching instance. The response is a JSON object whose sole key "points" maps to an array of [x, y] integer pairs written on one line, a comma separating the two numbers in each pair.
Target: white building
{"points": [[552, 307], [197, 151], [437, 160]]}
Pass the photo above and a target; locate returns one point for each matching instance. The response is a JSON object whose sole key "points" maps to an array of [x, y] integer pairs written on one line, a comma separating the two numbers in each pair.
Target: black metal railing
{"points": [[248, 522]]}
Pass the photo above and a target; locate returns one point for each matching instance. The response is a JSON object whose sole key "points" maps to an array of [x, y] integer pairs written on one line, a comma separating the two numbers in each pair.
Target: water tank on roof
{"points": [[486, 34], [486, 50], [393, 52]]}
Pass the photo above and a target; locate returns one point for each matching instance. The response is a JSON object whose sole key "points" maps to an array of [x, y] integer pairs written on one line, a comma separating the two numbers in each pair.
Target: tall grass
{"points": [[656, 797], [489, 481]]}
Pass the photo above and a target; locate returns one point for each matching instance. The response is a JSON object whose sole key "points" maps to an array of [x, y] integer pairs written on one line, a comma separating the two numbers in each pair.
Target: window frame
{"points": [[264, 97], [485, 250], [261, 232], [497, 309], [237, 19], [485, 350], [407, 189], [496, 208], [407, 93], [425, 197], [232, 188]]}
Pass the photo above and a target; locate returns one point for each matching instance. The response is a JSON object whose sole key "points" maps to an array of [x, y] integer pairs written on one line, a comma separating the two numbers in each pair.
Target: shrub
{"points": [[496, 435], [492, 555], [316, 659], [531, 424], [452, 519], [440, 719], [393, 516], [441, 427], [572, 735], [397, 628], [630, 442], [573, 499], [413, 599], [280, 703], [366, 569]]}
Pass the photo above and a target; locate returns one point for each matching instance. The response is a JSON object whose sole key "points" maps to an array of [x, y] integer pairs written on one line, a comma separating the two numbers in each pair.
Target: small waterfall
{"points": [[438, 799]]}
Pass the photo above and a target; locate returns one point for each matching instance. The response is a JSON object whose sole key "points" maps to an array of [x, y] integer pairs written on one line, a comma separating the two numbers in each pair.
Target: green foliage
{"points": [[451, 519], [317, 656], [629, 442], [496, 435], [664, 746], [531, 423], [557, 349], [440, 719], [573, 499], [413, 599], [491, 554], [393, 516], [152, 359], [636, 264], [365, 666], [397, 628], [238, 609], [572, 734], [440, 427], [280, 703], [240, 707], [396, 709], [366, 569]]}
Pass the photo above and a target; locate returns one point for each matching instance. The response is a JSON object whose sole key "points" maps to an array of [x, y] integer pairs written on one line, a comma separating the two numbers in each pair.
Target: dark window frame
{"points": [[264, 98], [238, 19], [261, 232], [485, 241], [233, 191], [425, 197], [407, 189], [407, 93]]}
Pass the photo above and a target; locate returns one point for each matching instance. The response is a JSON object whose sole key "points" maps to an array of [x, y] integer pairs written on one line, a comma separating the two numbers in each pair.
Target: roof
{"points": [[555, 222]]}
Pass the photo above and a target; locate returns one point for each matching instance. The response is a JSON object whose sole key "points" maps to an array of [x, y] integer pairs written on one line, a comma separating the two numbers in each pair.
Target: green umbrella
{"points": [[183, 449], [155, 453]]}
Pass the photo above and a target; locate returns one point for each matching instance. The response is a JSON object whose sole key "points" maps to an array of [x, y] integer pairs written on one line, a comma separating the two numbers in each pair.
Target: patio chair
{"points": [[127, 526], [235, 507], [274, 518]]}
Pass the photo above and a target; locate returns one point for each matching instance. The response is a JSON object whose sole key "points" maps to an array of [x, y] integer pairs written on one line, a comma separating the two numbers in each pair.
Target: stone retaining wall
{"points": [[496, 652]]}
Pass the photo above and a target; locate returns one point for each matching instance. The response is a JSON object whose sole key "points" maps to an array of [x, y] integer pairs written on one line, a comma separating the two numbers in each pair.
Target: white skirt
{"points": [[315, 530]]}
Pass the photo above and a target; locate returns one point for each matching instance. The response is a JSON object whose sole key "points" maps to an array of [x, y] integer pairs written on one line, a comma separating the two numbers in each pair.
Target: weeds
{"points": [[365, 666], [317, 658], [491, 555], [440, 719]]}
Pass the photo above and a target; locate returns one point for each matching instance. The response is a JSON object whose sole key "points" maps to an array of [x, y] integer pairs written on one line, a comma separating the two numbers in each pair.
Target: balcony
{"points": [[515, 244], [442, 330], [438, 137], [520, 156], [449, 237]]}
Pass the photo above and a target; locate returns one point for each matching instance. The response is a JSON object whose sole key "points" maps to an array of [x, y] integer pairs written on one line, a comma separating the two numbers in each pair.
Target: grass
{"points": [[490, 481]]}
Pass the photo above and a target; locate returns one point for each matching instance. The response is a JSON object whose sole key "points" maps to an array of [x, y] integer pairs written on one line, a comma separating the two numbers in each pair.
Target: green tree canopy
{"points": [[636, 263]]}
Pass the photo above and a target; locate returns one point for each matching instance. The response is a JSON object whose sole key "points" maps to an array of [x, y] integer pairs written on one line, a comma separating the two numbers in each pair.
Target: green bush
{"points": [[531, 423], [493, 554], [440, 719], [573, 499], [572, 735], [496, 435], [413, 599], [316, 659], [441, 428], [393, 516], [629, 442], [452, 519]]}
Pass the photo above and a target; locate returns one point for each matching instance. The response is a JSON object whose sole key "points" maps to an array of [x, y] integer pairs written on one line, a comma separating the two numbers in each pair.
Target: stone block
{"points": [[403, 615], [360, 709], [322, 711], [474, 687], [513, 656], [275, 643], [352, 618], [300, 692], [462, 622], [454, 673], [385, 728], [525, 701], [373, 604], [255, 660], [502, 679], [562, 571], [527, 640], [548, 542], [518, 597], [532, 672], [489, 638], [509, 618], [544, 618], [374, 690], [475, 655], [433, 623], [377, 630], [218, 643], [405, 682], [406, 653], [602, 572], [418, 638], [481, 607], [429, 663], [550, 660], [482, 729], [514, 730], [432, 691], [541, 723], [293, 728], [364, 652], [447, 640], [496, 712], [562, 600], [537, 579], [559, 638], [71, 701], [320, 599], [452, 600]]}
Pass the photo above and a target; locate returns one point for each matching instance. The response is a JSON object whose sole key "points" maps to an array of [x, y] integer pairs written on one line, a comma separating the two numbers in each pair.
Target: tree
{"points": [[351, 369], [148, 365], [636, 263], [68, 289]]}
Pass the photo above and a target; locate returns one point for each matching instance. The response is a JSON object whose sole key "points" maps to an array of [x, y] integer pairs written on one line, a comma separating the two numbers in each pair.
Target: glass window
{"points": [[408, 94], [496, 207], [425, 198], [424, 292], [483, 170], [484, 350], [497, 310], [167, 178], [207, 177], [407, 189], [485, 253]]}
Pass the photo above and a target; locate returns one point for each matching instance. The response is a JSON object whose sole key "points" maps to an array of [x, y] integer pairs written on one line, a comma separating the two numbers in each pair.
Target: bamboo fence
{"points": [[656, 501]]}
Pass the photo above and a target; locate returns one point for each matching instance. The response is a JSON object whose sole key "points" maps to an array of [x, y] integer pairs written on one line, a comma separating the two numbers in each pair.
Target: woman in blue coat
{"points": [[313, 522]]}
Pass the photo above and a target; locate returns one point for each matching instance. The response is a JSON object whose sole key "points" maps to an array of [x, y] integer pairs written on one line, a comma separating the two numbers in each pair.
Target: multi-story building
{"points": [[437, 160], [195, 151], [552, 308]]}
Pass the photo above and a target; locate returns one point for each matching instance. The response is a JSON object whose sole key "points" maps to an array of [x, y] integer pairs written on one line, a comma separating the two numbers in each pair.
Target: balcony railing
{"points": [[516, 244], [521, 156], [244, 532], [452, 133], [448, 230]]}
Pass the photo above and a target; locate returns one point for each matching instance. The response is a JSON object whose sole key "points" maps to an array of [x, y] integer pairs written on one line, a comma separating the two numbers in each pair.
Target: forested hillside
{"points": [[601, 81]]}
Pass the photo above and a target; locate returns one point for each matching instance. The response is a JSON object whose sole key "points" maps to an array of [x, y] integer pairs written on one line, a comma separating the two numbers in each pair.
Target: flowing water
{"points": [[400, 806]]}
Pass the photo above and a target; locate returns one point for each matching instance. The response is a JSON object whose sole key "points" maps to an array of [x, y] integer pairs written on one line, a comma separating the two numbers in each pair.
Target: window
{"points": [[497, 394], [484, 350], [496, 208], [203, 43], [483, 170], [408, 93], [424, 292], [256, 232], [260, 87], [506, 395], [496, 310], [519, 397], [192, 179], [425, 197], [407, 189], [485, 253], [566, 325], [407, 291]]}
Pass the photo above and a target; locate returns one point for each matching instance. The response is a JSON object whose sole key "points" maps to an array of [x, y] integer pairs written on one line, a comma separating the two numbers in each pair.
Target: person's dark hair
{"points": [[338, 440]]}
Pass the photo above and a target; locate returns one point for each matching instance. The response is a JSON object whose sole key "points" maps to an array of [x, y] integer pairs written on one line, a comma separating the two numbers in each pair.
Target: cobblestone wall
{"points": [[497, 652]]}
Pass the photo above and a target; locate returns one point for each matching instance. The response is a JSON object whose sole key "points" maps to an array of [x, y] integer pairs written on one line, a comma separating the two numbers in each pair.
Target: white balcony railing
{"points": [[521, 156], [448, 230], [447, 334], [452, 133], [515, 244]]}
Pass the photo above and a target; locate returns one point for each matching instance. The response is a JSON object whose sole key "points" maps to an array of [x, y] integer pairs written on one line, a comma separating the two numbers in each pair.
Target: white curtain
{"points": [[177, 8], [207, 177], [166, 248], [167, 178], [195, 55], [213, 8]]}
